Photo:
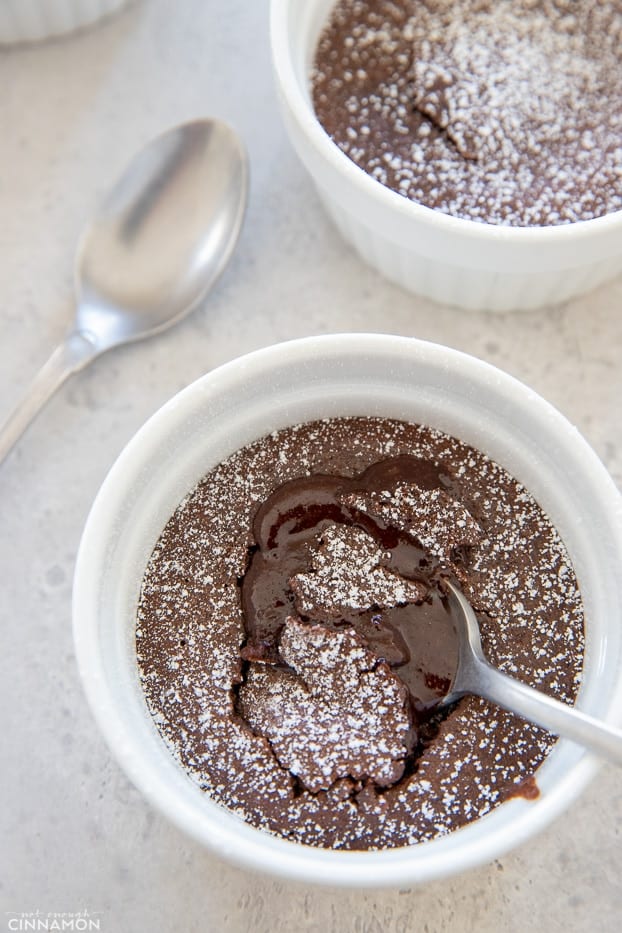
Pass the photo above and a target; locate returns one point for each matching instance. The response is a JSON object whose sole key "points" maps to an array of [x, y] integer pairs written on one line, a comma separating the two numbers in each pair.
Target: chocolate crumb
{"points": [[338, 713]]}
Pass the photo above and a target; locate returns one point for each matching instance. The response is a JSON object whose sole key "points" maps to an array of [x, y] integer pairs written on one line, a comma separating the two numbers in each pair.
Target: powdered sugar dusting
{"points": [[432, 516], [338, 714], [347, 575], [505, 111], [190, 631]]}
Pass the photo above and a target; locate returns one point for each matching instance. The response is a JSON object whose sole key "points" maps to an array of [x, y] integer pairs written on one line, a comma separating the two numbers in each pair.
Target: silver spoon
{"points": [[475, 675], [155, 247]]}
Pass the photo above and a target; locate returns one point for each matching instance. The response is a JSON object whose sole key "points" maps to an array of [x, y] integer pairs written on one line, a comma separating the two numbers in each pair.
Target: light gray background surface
{"points": [[74, 834]]}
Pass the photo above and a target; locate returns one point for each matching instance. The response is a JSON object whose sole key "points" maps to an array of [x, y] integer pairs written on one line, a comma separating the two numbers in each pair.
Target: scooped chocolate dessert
{"points": [[502, 111], [294, 642]]}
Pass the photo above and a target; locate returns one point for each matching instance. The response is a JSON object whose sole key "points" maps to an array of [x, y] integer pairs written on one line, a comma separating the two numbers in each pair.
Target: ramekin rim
{"points": [[387, 868]]}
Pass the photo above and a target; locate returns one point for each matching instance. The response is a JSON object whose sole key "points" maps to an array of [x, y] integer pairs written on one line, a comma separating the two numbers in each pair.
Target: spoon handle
{"points": [[557, 717], [74, 353]]}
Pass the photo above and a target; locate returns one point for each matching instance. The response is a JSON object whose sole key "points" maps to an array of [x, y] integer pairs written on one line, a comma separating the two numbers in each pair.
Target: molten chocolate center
{"points": [[406, 623]]}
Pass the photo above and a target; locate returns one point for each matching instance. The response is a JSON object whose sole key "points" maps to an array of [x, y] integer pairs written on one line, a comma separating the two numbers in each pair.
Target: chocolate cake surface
{"points": [[501, 111], [293, 643]]}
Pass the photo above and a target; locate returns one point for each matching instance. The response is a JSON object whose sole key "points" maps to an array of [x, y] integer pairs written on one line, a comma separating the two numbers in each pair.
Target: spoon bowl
{"points": [[154, 249], [475, 675], [163, 235]]}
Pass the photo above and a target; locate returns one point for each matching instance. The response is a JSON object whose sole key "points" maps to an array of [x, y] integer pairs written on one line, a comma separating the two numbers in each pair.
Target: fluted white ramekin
{"points": [[32, 20], [347, 374], [451, 260]]}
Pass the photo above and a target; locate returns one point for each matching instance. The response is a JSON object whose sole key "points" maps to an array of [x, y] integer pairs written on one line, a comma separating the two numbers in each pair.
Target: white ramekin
{"points": [[32, 20], [453, 261], [315, 377]]}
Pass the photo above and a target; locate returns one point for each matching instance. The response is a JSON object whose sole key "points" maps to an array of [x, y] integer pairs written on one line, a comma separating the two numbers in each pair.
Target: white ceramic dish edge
{"points": [[35, 20]]}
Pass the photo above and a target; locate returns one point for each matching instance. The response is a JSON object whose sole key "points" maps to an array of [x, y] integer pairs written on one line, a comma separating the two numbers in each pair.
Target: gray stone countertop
{"points": [[74, 834]]}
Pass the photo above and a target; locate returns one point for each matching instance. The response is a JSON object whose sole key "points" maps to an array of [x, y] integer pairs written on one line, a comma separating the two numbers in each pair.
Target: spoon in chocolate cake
{"points": [[475, 675], [153, 250]]}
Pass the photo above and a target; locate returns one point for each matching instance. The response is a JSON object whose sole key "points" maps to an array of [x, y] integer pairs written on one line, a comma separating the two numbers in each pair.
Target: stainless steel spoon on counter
{"points": [[154, 249], [475, 675]]}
